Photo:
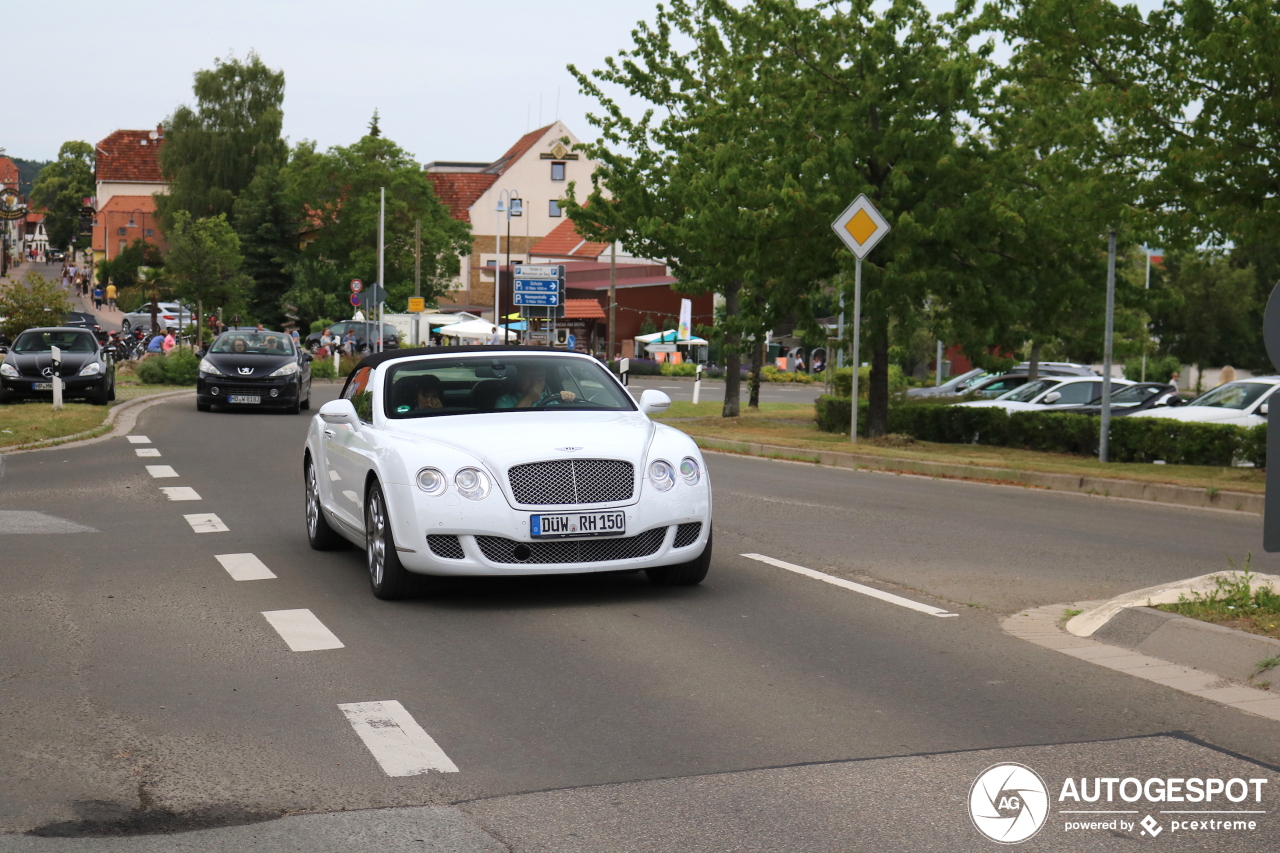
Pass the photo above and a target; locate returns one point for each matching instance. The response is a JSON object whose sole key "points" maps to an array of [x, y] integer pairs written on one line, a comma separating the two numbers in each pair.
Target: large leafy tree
{"points": [[61, 188], [204, 261], [1202, 308], [34, 301], [268, 224], [339, 192], [213, 150]]}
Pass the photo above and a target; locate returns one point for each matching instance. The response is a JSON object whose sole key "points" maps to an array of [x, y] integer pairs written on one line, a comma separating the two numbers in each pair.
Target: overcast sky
{"points": [[450, 80]]}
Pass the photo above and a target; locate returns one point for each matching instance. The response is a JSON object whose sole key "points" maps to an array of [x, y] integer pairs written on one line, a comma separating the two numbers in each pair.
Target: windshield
{"points": [[44, 341], [254, 343], [1233, 395], [507, 383], [1135, 394], [1030, 391], [966, 379]]}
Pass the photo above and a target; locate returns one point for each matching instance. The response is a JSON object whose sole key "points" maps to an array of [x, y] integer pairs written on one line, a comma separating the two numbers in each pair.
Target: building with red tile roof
{"points": [[8, 174], [127, 166], [565, 242], [121, 221]]}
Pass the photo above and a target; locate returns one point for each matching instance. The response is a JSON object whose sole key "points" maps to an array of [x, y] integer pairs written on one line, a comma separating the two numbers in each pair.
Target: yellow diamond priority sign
{"points": [[860, 226]]}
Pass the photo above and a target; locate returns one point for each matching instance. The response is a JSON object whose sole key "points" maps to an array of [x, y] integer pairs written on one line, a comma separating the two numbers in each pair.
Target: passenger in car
{"points": [[531, 389]]}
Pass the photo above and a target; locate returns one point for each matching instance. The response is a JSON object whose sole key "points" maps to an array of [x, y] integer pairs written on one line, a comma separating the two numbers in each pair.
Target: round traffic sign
{"points": [[571, 342], [356, 285], [355, 300]]}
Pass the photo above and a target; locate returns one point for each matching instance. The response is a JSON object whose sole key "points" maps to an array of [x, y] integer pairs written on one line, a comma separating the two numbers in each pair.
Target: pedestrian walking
{"points": [[97, 297], [349, 343], [111, 296]]}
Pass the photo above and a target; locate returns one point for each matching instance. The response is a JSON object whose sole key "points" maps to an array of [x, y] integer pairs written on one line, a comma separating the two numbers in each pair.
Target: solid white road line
{"points": [[180, 493], [146, 451], [397, 742], [245, 567], [206, 523], [302, 630], [850, 585], [159, 471], [138, 439]]}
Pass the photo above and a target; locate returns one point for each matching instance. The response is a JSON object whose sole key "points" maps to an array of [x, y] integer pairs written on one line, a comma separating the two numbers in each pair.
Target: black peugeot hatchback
{"points": [[254, 369]]}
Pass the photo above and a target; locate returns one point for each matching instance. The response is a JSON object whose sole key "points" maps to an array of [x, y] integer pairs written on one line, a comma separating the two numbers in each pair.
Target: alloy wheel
{"points": [[376, 534], [313, 501]]}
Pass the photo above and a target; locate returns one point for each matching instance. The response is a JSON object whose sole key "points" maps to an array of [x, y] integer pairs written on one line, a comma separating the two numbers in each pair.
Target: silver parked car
{"points": [[169, 314]]}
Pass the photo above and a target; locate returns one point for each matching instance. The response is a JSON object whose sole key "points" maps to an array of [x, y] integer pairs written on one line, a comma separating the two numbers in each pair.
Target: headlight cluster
{"points": [[91, 369], [288, 370], [663, 475], [206, 366], [7, 369], [472, 483]]}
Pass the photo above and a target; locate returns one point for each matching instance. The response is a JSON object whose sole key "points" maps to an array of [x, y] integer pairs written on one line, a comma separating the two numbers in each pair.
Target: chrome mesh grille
{"points": [[687, 534], [500, 550], [445, 545], [572, 481]]}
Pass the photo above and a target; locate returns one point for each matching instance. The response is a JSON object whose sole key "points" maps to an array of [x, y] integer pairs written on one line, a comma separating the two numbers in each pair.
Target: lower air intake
{"points": [[501, 550]]}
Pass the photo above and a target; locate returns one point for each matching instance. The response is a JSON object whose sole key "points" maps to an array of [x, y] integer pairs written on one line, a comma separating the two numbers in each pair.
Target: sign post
{"points": [[860, 227], [1271, 501], [56, 377]]}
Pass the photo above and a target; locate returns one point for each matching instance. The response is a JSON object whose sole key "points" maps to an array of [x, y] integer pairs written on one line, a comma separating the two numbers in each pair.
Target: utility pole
{"points": [[1106, 347], [417, 277], [382, 217], [613, 293]]}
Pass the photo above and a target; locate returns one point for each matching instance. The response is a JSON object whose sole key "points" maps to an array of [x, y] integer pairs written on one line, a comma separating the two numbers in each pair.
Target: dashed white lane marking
{"points": [[245, 567], [138, 439], [206, 523], [850, 585], [180, 493], [159, 471], [146, 451], [333, 475], [302, 630], [397, 742]]}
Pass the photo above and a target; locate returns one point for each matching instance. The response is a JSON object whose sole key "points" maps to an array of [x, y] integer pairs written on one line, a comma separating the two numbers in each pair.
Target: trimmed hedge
{"points": [[179, 367], [1132, 439]]}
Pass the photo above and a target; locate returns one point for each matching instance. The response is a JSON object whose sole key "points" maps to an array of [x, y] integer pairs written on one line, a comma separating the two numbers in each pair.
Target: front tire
{"points": [[388, 577], [320, 536], [683, 574]]}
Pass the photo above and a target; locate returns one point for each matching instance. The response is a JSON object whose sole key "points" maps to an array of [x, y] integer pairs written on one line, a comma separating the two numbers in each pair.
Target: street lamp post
{"points": [[510, 204]]}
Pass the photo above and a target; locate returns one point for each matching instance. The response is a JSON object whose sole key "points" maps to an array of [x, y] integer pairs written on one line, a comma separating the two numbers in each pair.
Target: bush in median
{"points": [[179, 367]]}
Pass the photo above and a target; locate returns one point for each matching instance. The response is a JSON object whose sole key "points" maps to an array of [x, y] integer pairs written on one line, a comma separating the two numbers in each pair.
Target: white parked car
{"points": [[503, 461], [1049, 394], [1242, 403]]}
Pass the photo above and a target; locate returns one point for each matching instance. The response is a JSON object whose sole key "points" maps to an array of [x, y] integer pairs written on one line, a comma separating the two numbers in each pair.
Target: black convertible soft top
{"points": [[388, 355]]}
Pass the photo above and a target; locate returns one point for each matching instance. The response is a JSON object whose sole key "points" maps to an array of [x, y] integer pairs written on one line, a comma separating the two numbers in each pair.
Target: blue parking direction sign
{"points": [[537, 285], [550, 299]]}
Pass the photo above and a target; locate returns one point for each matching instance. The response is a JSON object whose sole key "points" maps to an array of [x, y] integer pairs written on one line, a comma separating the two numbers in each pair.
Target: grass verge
{"points": [[1235, 603], [32, 421], [792, 425]]}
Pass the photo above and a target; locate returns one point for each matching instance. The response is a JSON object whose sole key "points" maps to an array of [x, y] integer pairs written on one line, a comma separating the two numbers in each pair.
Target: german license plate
{"points": [[564, 525], [41, 386], [243, 398]]}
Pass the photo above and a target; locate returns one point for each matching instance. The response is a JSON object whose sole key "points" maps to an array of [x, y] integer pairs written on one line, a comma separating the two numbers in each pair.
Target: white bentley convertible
{"points": [[503, 461]]}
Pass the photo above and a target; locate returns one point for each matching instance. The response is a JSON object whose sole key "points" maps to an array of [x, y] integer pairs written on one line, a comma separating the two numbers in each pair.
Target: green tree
{"points": [[34, 301], [204, 261], [268, 223], [340, 191], [213, 151], [123, 269], [61, 188]]}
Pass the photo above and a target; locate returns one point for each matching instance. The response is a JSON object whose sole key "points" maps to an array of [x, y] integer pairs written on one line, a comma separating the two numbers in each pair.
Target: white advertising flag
{"points": [[686, 319]]}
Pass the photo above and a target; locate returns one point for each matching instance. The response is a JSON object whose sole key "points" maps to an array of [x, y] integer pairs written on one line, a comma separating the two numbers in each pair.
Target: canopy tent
{"points": [[447, 319], [670, 336], [477, 330]]}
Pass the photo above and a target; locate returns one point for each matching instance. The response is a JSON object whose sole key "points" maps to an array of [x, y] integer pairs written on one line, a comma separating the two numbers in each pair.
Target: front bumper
{"points": [[274, 393], [72, 387], [487, 533]]}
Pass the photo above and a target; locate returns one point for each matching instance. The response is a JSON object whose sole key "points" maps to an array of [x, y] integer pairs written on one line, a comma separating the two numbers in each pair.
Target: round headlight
{"points": [[690, 471], [472, 483], [662, 474], [432, 481]]}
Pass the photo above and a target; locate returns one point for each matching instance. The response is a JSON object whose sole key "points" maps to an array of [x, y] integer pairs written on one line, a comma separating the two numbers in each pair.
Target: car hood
{"points": [[504, 439], [33, 363], [1195, 414], [259, 366]]}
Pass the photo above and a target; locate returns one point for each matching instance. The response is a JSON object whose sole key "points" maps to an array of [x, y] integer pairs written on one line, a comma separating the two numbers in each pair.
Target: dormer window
{"points": [[557, 171]]}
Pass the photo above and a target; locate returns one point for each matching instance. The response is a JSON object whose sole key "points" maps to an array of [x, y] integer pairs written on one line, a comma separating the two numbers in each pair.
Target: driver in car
{"points": [[430, 392], [531, 390]]}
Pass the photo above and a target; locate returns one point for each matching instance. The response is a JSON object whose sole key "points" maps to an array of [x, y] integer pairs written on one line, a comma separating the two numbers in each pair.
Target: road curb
{"points": [[121, 418], [1163, 493], [1042, 626]]}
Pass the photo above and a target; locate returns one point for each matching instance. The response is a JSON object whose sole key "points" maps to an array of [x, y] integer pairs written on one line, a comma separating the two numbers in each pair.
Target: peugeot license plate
{"points": [[243, 398], [41, 386], [563, 525]]}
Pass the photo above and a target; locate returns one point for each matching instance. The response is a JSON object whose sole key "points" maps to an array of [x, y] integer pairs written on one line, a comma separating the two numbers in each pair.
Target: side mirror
{"points": [[651, 402], [306, 356], [340, 412], [1262, 410], [1052, 397]]}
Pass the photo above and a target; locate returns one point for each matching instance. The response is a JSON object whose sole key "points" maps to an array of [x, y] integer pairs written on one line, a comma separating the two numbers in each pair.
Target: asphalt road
{"points": [[142, 691]]}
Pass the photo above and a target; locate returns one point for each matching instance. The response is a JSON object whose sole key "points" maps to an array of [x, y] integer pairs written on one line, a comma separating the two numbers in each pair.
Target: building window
{"points": [[122, 231], [554, 208], [557, 171], [151, 232]]}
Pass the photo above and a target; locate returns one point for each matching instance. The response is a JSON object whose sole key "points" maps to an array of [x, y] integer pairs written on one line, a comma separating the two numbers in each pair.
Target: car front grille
{"points": [[445, 545], [572, 481], [253, 390], [687, 534], [499, 550]]}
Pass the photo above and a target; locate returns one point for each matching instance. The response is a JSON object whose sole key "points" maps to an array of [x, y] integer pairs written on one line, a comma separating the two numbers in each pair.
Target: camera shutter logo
{"points": [[1008, 803]]}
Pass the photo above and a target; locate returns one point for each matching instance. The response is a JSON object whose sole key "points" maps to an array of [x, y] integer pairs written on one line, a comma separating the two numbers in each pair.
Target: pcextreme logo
{"points": [[1008, 803]]}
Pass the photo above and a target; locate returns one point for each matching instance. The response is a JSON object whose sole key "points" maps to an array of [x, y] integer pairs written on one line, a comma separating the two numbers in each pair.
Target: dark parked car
{"points": [[86, 367], [1134, 398], [84, 320], [254, 369], [390, 337]]}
